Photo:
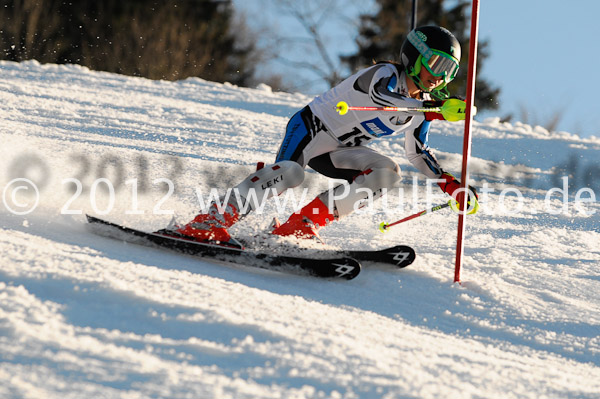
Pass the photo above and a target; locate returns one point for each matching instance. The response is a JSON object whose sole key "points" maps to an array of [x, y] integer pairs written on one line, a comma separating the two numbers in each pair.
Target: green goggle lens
{"points": [[441, 64]]}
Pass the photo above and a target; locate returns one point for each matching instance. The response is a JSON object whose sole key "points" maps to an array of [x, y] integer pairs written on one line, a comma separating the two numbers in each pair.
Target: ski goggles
{"points": [[441, 64], [437, 62]]}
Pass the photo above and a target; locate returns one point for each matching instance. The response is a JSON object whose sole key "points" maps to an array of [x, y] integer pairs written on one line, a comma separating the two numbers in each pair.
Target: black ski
{"points": [[337, 267], [399, 256]]}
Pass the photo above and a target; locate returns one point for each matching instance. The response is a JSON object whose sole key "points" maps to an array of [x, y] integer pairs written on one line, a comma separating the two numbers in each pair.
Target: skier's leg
{"points": [[265, 183], [375, 173], [368, 174], [305, 138], [367, 187], [241, 200]]}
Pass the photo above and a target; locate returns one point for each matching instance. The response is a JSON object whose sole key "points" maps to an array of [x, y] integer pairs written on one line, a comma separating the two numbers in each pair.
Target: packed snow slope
{"points": [[84, 316]]}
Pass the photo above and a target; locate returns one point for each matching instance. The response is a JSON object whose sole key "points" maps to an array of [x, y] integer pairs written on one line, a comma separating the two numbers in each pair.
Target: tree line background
{"points": [[176, 39]]}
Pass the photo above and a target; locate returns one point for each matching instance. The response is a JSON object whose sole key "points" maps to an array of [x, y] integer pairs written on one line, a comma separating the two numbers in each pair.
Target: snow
{"points": [[85, 316]]}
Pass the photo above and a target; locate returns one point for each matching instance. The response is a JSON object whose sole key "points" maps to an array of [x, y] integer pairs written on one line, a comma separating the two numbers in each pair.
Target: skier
{"points": [[333, 144]]}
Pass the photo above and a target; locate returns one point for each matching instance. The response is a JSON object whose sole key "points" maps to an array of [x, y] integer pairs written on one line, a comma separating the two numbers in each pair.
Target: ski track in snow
{"points": [[85, 316]]}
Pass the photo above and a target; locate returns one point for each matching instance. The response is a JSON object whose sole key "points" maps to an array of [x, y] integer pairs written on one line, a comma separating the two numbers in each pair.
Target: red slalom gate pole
{"points": [[462, 198]]}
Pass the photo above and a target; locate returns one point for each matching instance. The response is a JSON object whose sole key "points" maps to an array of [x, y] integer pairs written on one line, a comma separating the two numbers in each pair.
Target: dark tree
{"points": [[381, 37], [168, 39]]}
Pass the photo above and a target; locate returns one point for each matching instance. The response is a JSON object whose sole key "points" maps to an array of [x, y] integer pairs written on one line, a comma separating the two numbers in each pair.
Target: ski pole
{"points": [[452, 110], [342, 108], [383, 227]]}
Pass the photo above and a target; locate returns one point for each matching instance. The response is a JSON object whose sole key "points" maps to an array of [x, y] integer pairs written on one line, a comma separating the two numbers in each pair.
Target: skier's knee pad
{"points": [[347, 198], [269, 181], [384, 162]]}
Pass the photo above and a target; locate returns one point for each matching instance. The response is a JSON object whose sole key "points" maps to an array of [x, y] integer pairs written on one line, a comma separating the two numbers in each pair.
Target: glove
{"points": [[451, 184], [429, 116], [452, 110]]}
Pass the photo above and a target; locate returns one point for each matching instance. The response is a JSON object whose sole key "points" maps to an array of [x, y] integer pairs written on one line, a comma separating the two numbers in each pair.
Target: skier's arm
{"points": [[419, 154], [422, 158], [380, 83]]}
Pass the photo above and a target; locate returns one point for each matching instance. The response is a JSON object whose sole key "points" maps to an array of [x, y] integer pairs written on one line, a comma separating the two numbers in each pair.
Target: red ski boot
{"points": [[307, 222], [211, 226]]}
